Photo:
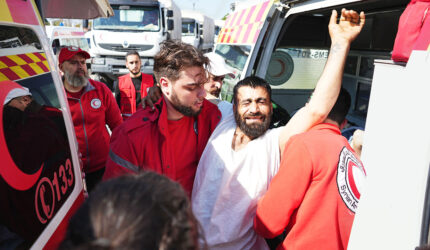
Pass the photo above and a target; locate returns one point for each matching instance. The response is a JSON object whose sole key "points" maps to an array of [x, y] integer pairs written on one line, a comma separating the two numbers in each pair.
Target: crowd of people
{"points": [[183, 169]]}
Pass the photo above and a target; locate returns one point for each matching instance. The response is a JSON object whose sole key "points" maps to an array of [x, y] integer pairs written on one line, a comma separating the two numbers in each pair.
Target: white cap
{"points": [[217, 65], [17, 92]]}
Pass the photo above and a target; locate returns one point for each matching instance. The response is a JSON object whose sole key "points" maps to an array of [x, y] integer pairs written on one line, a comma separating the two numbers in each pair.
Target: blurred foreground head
{"points": [[146, 211]]}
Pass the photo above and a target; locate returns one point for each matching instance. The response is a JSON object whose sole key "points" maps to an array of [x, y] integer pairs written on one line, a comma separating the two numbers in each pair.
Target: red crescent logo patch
{"points": [[350, 178]]}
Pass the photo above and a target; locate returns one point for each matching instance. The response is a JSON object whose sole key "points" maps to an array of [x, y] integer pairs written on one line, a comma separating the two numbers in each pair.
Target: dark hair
{"points": [[253, 82], [132, 52], [341, 107], [175, 56], [145, 211]]}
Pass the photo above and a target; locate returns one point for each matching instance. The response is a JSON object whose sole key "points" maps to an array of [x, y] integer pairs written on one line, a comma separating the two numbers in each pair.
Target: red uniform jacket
{"points": [[90, 113], [128, 92], [315, 194], [142, 142]]}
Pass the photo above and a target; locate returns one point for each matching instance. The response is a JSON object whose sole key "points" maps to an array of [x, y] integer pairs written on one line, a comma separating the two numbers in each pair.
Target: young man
{"points": [[170, 138], [131, 88], [316, 191], [93, 107], [243, 155], [217, 70]]}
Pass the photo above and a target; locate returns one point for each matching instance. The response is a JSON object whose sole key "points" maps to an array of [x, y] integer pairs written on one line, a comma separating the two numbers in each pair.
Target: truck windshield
{"points": [[188, 27], [133, 18]]}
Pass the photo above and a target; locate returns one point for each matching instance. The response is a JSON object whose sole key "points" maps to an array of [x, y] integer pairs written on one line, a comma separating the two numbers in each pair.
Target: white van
{"points": [[287, 43]]}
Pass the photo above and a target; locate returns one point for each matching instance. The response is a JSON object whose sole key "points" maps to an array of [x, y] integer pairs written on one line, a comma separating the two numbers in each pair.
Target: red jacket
{"points": [[128, 92], [90, 113], [142, 142], [315, 194]]}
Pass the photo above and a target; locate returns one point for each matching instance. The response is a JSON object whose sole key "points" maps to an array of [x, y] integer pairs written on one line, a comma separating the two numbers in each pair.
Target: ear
{"points": [[343, 124], [165, 85]]}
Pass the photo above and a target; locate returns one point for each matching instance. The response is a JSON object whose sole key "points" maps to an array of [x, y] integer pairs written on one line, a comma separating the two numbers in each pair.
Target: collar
{"points": [[328, 126]]}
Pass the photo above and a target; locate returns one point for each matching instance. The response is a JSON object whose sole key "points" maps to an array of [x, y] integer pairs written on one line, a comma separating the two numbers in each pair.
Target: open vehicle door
{"points": [[40, 176]]}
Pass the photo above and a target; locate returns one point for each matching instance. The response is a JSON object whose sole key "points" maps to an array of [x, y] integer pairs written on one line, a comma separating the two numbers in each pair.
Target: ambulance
{"points": [[40, 176], [287, 43]]}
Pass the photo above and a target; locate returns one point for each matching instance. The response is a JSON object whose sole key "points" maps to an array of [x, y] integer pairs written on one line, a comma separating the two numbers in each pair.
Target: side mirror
{"points": [[170, 13], [170, 24]]}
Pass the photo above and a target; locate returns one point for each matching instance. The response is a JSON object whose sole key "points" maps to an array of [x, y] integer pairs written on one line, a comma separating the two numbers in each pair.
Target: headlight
{"points": [[98, 60]]}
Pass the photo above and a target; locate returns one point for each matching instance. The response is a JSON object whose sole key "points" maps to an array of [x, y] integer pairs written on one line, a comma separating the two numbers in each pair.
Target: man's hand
{"points": [[349, 26], [154, 94]]}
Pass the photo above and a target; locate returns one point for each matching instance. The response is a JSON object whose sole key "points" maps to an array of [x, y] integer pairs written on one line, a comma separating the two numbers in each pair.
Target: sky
{"points": [[215, 9]]}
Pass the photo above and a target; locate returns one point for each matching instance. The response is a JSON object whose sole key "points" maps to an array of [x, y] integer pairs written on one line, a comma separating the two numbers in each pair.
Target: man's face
{"points": [[20, 103], [187, 93], [253, 111], [75, 71], [133, 64], [213, 86]]}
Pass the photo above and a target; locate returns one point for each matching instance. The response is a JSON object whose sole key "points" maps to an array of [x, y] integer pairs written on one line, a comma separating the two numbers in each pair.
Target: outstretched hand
{"points": [[349, 26]]}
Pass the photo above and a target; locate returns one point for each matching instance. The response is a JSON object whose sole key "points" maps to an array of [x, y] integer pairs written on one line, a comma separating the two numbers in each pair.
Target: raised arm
{"points": [[342, 33]]}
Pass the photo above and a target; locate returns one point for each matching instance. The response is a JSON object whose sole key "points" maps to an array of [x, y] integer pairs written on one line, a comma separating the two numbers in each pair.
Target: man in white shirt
{"points": [[243, 155]]}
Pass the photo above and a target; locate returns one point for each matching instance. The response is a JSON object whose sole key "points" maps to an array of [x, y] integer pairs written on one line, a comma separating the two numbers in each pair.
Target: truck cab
{"points": [[136, 25], [41, 184], [198, 30]]}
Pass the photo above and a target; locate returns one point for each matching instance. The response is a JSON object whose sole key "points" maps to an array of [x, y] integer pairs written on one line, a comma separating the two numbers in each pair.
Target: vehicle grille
{"points": [[119, 47]]}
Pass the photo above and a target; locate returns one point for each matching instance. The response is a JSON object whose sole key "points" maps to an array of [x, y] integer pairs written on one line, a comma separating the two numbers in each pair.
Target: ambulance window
{"points": [[296, 67], [37, 175]]}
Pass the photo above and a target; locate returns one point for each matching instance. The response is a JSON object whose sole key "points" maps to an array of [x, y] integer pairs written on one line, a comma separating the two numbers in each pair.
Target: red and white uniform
{"points": [[91, 111], [147, 140], [127, 92], [315, 194]]}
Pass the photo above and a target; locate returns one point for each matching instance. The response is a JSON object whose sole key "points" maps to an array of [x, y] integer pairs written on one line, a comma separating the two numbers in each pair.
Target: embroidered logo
{"points": [[72, 48], [96, 103], [350, 178]]}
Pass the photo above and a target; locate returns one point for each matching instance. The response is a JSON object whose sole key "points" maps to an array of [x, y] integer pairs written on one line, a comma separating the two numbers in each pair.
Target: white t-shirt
{"points": [[225, 108], [228, 185]]}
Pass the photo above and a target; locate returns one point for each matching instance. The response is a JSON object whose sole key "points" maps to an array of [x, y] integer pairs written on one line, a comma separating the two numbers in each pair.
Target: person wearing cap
{"points": [[217, 70], [93, 106], [243, 154], [129, 89], [36, 139]]}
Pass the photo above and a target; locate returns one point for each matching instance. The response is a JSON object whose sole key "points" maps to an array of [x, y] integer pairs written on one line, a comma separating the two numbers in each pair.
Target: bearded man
{"points": [[93, 106], [243, 154], [170, 138]]}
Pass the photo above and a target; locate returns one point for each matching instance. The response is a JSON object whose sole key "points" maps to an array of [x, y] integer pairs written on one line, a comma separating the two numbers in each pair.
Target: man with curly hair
{"points": [[170, 138]]}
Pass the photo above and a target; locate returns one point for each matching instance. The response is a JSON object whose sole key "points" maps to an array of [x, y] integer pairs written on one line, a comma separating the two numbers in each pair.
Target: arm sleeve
{"points": [[286, 191], [113, 114], [122, 158]]}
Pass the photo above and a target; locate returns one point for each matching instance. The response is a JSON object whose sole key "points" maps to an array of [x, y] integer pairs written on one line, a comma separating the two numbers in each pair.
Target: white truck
{"points": [[218, 26], [136, 25], [198, 30], [390, 100]]}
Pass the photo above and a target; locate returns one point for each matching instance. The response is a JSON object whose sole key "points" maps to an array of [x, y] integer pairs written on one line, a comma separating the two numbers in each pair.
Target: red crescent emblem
{"points": [[351, 180], [9, 171]]}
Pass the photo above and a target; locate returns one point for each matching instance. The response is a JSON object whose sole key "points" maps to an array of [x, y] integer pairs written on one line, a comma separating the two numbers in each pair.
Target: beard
{"points": [[253, 130], [76, 80], [215, 92], [185, 110]]}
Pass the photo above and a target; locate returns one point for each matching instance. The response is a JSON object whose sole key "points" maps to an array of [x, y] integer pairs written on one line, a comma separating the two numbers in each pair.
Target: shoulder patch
{"points": [[350, 178]]}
